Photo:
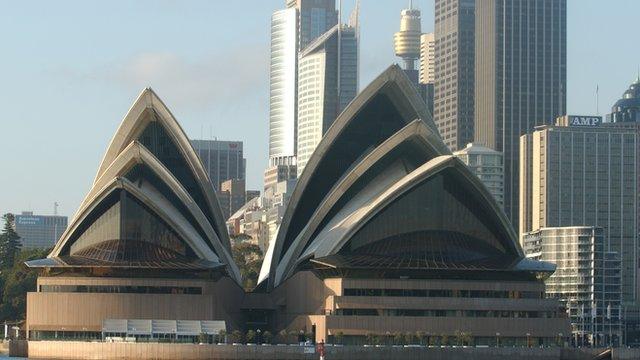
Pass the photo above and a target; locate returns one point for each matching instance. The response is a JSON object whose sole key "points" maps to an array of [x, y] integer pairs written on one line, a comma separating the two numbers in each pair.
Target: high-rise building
{"points": [[292, 29], [487, 165], [454, 71], [315, 17], [39, 231], [275, 174], [327, 82], [580, 172], [627, 109], [223, 160], [283, 86], [233, 195], [520, 77], [586, 280], [427, 58]]}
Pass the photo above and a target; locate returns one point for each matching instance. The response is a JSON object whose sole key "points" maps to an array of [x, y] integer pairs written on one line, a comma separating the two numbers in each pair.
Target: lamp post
{"points": [[528, 341], [497, 339]]}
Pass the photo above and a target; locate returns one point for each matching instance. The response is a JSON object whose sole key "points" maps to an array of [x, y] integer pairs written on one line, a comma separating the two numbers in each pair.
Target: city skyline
{"points": [[50, 90]]}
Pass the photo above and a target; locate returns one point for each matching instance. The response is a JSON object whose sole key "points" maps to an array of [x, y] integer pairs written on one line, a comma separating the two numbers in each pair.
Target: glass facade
{"points": [[437, 221], [155, 139], [126, 230], [38, 231], [319, 102], [116, 289]]}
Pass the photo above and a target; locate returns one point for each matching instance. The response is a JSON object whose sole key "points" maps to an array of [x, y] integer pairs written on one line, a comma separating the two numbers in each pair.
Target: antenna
{"points": [[55, 208], [597, 102]]}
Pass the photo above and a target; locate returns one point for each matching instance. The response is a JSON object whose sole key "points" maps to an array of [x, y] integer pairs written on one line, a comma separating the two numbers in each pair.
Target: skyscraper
{"points": [[586, 280], [627, 109], [291, 30], [283, 87], [39, 231], [584, 174], [427, 58], [454, 69], [520, 76], [223, 160], [327, 82], [486, 164]]}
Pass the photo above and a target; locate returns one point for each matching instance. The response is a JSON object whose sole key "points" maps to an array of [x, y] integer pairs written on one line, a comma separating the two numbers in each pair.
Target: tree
{"points": [[203, 338], [370, 339], [251, 336], [408, 338], [236, 337], [459, 337], [444, 340], [248, 257], [16, 282], [222, 336], [267, 337], [9, 243], [398, 338]]}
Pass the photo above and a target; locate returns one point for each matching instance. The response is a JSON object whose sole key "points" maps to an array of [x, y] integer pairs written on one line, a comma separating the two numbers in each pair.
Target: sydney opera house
{"points": [[385, 232]]}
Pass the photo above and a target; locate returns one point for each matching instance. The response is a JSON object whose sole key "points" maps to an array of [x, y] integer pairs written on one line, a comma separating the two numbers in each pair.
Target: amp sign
{"points": [[576, 120]]}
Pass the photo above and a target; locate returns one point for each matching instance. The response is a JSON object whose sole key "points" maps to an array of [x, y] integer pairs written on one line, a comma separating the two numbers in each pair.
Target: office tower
{"points": [[454, 71], [520, 77], [274, 174], [283, 87], [291, 30], [427, 58], [586, 280], [487, 165], [39, 231], [223, 160], [584, 174], [232, 196], [327, 82], [627, 109]]}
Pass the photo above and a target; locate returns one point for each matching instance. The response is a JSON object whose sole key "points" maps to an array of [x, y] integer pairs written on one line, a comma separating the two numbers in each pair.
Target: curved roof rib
{"points": [[147, 109], [402, 153], [384, 107], [134, 155], [152, 199], [333, 239]]}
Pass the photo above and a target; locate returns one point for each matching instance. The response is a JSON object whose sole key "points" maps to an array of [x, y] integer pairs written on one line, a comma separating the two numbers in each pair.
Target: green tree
{"points": [[203, 338], [398, 338], [222, 336], [408, 338], [444, 340], [459, 337], [338, 338], [267, 337], [370, 338], [248, 257], [251, 336], [236, 337], [9, 243], [16, 282]]}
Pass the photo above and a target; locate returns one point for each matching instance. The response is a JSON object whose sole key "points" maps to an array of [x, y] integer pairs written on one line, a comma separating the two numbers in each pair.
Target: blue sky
{"points": [[69, 70]]}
